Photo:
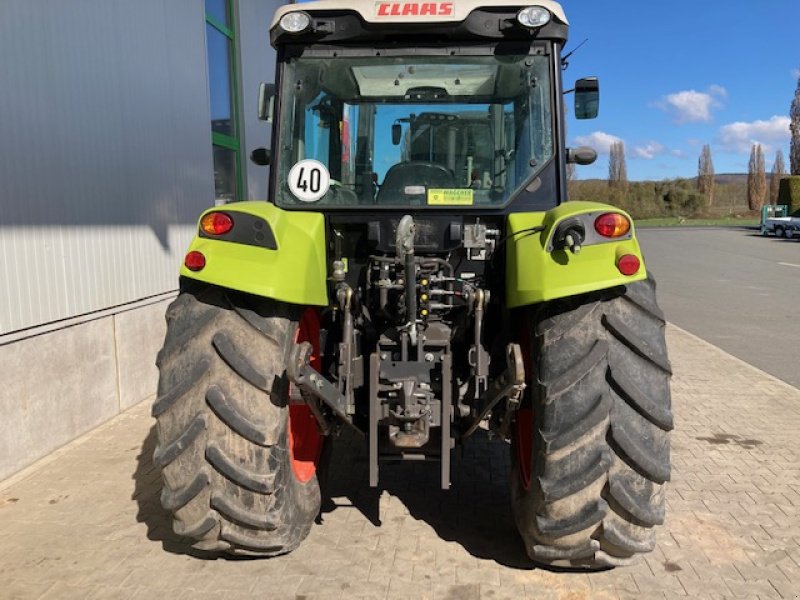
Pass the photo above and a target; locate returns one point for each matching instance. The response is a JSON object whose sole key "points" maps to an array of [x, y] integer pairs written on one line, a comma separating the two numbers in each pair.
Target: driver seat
{"points": [[408, 182]]}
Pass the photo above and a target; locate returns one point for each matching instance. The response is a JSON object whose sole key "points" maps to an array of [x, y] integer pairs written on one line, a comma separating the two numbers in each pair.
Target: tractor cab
{"points": [[395, 105]]}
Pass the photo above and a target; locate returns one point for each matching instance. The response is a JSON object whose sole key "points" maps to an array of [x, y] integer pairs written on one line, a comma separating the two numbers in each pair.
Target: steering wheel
{"points": [[341, 193]]}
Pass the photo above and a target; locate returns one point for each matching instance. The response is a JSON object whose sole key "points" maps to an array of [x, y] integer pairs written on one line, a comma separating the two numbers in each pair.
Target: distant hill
{"points": [[721, 179], [724, 178], [676, 197]]}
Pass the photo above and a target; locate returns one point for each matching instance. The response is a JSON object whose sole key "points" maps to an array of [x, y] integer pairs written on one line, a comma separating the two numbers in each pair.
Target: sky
{"points": [[675, 75]]}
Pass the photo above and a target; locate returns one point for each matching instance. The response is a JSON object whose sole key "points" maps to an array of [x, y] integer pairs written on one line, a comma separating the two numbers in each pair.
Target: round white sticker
{"points": [[309, 180]]}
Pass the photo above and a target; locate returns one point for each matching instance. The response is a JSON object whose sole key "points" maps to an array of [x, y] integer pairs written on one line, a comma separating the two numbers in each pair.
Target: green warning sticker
{"points": [[451, 197]]}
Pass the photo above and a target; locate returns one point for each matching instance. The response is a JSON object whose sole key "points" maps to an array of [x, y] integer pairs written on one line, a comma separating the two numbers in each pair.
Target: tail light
{"points": [[628, 264], [216, 223], [612, 225], [195, 261]]}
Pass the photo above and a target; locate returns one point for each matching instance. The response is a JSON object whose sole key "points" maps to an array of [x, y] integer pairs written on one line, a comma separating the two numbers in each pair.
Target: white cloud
{"points": [[691, 106], [740, 136], [718, 91], [648, 151], [677, 153], [795, 73], [599, 140]]}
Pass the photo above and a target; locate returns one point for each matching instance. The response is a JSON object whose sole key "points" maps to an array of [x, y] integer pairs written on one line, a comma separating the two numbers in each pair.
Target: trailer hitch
{"points": [[509, 385], [310, 381]]}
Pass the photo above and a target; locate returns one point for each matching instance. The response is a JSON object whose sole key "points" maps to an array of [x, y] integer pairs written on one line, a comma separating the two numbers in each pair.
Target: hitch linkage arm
{"points": [[509, 385], [308, 380]]}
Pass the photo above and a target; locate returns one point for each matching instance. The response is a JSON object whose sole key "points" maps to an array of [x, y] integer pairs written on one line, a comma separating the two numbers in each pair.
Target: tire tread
{"points": [[223, 443], [602, 413]]}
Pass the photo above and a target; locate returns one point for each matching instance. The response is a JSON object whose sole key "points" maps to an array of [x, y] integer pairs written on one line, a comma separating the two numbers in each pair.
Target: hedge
{"points": [[789, 194]]}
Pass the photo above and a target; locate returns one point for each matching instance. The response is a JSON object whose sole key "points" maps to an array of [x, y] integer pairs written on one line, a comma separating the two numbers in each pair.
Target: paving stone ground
{"points": [[86, 522]]}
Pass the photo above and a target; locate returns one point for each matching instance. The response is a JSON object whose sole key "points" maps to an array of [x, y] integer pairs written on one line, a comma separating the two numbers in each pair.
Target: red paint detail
{"points": [[194, 261], [629, 264], [383, 9], [523, 425], [216, 223], [445, 9], [346, 164], [305, 440], [523, 442], [410, 9], [612, 225]]}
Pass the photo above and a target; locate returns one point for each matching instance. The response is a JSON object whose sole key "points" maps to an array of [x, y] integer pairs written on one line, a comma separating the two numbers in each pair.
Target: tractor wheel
{"points": [[780, 231], [238, 463], [591, 448]]}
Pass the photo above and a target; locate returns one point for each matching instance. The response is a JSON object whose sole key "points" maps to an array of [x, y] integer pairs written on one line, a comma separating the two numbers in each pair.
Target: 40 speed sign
{"points": [[309, 180]]}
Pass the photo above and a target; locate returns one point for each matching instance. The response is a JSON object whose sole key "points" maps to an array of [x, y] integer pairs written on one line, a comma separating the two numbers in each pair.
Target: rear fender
{"points": [[269, 252], [536, 272]]}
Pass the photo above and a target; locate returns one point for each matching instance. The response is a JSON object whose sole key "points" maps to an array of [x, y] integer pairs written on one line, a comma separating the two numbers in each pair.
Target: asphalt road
{"points": [[734, 289]]}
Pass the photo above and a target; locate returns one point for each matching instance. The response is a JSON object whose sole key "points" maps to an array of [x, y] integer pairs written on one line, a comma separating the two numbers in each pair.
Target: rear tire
{"points": [[780, 232], [224, 444], [591, 463]]}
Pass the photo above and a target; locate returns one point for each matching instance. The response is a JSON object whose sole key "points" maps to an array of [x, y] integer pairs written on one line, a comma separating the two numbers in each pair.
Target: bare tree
{"points": [[756, 178], [617, 168], [794, 156], [705, 174], [572, 174], [778, 173]]}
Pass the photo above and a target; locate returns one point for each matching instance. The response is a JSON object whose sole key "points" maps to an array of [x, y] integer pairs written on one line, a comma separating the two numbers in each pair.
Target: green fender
{"points": [[295, 272], [534, 274]]}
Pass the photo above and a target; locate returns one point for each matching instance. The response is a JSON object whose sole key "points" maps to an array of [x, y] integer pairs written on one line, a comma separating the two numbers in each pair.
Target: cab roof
{"points": [[415, 11]]}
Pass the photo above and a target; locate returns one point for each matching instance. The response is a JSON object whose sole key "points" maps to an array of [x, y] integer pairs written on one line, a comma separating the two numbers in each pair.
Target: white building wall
{"points": [[105, 165], [105, 154]]}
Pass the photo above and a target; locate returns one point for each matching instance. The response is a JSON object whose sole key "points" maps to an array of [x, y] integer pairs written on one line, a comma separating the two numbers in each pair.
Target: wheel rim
{"points": [[523, 424], [523, 443], [305, 440]]}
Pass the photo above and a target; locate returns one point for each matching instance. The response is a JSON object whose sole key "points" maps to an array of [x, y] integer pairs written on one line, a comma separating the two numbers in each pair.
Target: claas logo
{"points": [[414, 9]]}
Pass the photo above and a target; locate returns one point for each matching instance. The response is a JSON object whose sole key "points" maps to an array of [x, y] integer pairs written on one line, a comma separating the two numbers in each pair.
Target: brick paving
{"points": [[86, 521]]}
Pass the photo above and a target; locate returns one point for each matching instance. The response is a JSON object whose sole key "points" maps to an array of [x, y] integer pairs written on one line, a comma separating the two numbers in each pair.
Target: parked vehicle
{"points": [[775, 220]]}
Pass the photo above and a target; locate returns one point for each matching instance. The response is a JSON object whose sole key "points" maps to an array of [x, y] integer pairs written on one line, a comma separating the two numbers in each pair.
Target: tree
{"points": [[705, 175], [617, 169], [756, 178], [778, 173], [794, 156]]}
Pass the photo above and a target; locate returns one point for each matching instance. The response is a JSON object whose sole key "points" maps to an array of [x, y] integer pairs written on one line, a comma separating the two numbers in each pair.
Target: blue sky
{"points": [[676, 74]]}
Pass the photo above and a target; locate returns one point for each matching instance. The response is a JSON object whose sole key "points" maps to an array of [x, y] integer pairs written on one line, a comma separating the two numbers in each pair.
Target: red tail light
{"points": [[216, 223], [612, 225], [628, 264], [194, 261]]}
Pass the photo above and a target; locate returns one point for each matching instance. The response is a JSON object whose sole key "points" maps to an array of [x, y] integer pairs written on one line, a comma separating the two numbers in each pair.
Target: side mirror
{"points": [[583, 155], [261, 156], [587, 98], [266, 101], [397, 133]]}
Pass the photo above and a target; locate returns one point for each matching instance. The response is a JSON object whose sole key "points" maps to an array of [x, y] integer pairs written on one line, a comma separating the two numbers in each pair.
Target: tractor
{"points": [[418, 275]]}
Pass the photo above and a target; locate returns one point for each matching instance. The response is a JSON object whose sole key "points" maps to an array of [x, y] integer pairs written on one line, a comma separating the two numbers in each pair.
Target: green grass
{"points": [[681, 222]]}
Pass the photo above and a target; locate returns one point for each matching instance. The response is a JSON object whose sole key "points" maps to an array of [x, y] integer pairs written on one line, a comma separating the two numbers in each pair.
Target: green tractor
{"points": [[417, 275]]}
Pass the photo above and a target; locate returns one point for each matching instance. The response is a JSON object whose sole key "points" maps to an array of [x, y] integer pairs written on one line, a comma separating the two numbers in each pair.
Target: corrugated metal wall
{"points": [[105, 154]]}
